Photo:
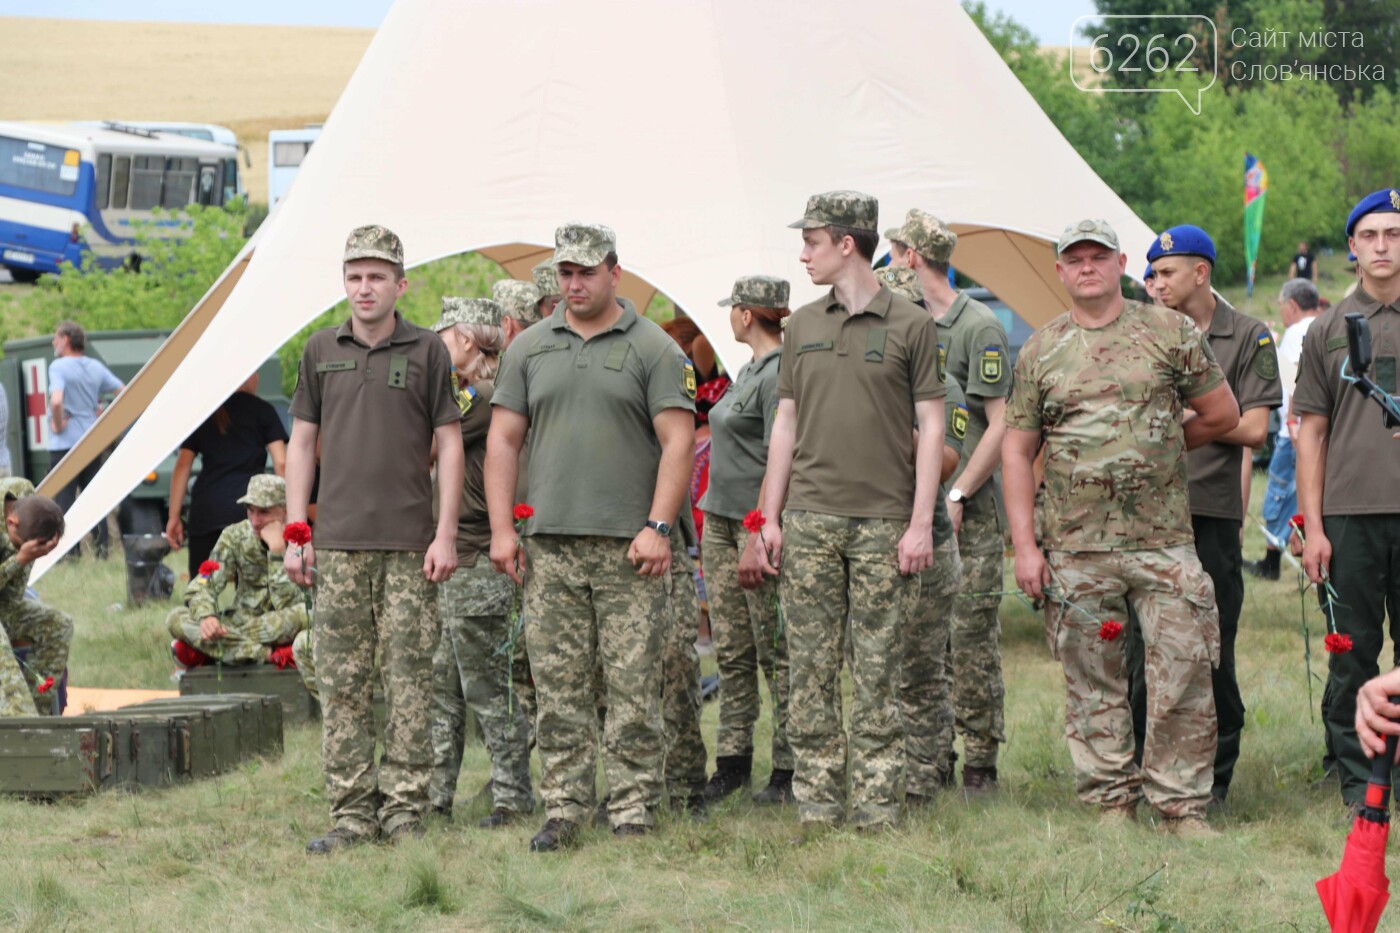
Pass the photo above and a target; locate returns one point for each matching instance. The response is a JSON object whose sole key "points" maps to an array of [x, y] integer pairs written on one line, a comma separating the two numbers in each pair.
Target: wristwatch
{"points": [[956, 495], [661, 528]]}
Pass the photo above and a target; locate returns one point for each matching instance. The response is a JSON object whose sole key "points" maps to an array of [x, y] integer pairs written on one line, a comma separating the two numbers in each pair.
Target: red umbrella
{"points": [[1356, 895]]}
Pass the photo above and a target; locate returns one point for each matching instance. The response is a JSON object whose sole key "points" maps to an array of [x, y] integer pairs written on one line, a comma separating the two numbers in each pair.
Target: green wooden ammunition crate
{"points": [[49, 758], [247, 717], [202, 742], [297, 704], [116, 762]]}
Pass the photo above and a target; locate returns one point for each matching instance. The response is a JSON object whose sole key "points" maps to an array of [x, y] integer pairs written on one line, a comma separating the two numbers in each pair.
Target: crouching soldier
{"points": [[33, 525]]}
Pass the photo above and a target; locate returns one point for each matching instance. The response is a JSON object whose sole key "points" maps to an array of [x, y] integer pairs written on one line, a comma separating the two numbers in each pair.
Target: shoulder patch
{"points": [[992, 364], [1265, 363], [1336, 343], [689, 378], [960, 418], [942, 361]]}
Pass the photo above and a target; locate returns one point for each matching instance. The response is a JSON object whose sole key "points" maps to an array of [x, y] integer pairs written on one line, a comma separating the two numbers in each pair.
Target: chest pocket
{"points": [[616, 357], [743, 402]]}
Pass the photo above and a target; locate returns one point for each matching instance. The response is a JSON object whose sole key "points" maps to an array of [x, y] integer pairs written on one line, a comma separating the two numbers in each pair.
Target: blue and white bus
{"points": [[72, 191]]}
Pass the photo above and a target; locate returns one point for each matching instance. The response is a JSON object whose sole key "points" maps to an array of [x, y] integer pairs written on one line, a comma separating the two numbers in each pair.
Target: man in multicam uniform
{"points": [[1104, 388], [546, 279], [973, 352], [267, 610], [608, 401], [17, 693], [858, 376], [377, 392]]}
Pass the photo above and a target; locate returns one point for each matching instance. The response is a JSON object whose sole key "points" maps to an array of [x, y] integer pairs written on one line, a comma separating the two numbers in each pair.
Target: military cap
{"points": [[1149, 273], [926, 235], [265, 491], [1385, 201], [841, 209], [468, 311], [1093, 231], [546, 279], [903, 282], [583, 244], [758, 291], [374, 242], [1183, 240], [15, 487], [517, 299]]}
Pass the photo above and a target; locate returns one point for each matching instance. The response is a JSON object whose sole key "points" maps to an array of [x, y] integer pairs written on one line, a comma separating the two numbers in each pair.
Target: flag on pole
{"points": [[1256, 185]]}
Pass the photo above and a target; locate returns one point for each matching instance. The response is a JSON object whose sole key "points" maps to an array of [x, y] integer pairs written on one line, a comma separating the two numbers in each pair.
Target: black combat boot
{"points": [[1266, 569], [779, 789], [731, 773]]}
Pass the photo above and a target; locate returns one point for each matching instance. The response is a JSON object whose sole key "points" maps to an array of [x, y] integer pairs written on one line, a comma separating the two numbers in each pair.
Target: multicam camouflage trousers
{"points": [[680, 682], [748, 645], [248, 637], [925, 700], [49, 633], [834, 568], [471, 669], [979, 692], [1175, 603], [585, 603], [368, 602]]}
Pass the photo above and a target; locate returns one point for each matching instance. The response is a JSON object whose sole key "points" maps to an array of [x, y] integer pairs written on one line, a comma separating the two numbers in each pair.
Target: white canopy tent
{"points": [[695, 128]]}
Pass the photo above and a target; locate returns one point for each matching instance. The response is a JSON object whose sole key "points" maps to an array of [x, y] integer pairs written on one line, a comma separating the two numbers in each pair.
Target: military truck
{"points": [[24, 375]]}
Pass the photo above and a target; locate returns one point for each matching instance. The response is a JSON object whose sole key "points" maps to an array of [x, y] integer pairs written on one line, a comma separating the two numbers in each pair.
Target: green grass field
{"points": [[227, 854]]}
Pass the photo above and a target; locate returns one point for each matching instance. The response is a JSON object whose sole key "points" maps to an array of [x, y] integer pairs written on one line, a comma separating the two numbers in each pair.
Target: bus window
{"points": [[50, 169], [179, 182], [289, 155], [209, 189], [146, 173], [104, 179], [230, 179], [121, 180]]}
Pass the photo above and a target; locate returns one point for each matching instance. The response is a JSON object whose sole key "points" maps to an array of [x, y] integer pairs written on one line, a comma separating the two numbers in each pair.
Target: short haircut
{"points": [[77, 337], [610, 260], [865, 240], [38, 518], [1303, 291]]}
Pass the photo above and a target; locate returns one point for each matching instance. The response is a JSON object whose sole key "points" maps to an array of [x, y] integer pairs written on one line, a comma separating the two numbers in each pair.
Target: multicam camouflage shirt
{"points": [[260, 582], [1108, 405]]}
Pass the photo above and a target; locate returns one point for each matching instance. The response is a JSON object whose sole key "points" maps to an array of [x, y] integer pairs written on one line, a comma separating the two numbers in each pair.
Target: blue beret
{"points": [[1386, 201], [1351, 257], [1183, 240], [1149, 273]]}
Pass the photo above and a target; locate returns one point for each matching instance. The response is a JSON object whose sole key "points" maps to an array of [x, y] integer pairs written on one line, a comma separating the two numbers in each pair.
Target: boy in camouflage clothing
{"points": [[267, 610], [33, 525]]}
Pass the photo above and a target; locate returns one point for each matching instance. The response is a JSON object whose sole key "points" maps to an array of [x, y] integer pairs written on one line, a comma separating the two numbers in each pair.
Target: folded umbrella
{"points": [[1356, 895]]}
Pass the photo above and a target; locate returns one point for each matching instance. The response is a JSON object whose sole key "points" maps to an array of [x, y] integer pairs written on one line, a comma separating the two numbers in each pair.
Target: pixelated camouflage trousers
{"points": [[748, 645], [248, 638], [49, 633], [925, 699], [835, 569], [585, 605], [15, 697], [1175, 603], [979, 692], [680, 682], [472, 670], [375, 604], [304, 655]]}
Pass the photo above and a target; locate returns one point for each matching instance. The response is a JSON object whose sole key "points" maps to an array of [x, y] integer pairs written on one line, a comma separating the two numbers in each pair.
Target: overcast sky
{"points": [[1050, 21]]}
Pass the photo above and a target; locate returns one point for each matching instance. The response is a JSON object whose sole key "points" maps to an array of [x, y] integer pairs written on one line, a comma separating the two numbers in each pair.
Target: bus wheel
{"points": [[23, 276]]}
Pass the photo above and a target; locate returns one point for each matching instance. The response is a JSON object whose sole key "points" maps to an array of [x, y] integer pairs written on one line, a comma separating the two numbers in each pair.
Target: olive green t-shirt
{"points": [[973, 348], [956, 421], [740, 423], [1108, 403], [855, 379], [473, 522], [1246, 353], [1362, 476], [377, 408], [593, 447]]}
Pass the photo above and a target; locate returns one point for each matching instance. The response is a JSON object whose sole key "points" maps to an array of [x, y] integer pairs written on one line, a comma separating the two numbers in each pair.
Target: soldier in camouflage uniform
{"points": [[608, 401], [858, 375], [546, 279], [267, 610], [680, 674], [1104, 388], [377, 392], [49, 631], [973, 351], [520, 306]]}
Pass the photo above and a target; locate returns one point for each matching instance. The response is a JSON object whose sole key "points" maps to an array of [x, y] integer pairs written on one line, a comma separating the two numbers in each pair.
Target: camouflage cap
{"points": [[903, 282], [15, 487], [926, 235], [518, 300], [1095, 231], [842, 209], [583, 244], [545, 278], [374, 242], [758, 291], [265, 491], [468, 311]]}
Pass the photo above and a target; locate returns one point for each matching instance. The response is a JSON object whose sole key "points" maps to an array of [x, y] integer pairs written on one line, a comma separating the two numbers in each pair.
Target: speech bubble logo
{"points": [[1169, 52]]}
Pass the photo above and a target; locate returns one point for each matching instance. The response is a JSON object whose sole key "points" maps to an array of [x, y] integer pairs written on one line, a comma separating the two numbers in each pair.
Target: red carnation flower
{"points": [[297, 533], [754, 521], [1110, 630], [1297, 521], [46, 686], [1337, 643], [523, 511], [208, 568]]}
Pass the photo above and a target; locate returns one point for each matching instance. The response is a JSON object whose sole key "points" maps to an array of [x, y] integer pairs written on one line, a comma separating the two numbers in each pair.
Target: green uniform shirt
{"points": [[974, 352], [1246, 353], [377, 408], [1363, 460], [956, 421], [855, 379], [1108, 405], [593, 447], [740, 423], [473, 523], [260, 582]]}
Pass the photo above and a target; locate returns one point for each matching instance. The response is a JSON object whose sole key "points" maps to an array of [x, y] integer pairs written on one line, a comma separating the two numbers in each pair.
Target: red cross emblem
{"points": [[36, 392]]}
